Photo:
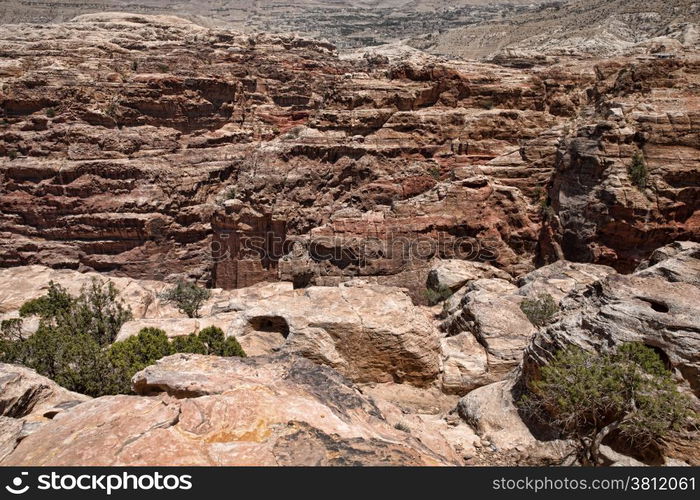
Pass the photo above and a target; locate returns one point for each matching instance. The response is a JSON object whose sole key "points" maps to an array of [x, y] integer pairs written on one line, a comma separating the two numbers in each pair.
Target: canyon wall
{"points": [[154, 148]]}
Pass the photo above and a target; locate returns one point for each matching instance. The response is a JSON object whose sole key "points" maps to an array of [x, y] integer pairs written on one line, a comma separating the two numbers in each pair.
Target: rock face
{"points": [[203, 410], [27, 402], [597, 213], [485, 330], [153, 147], [369, 333]]}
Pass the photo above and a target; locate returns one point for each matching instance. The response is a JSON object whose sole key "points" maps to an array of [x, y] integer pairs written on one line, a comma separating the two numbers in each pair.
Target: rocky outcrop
{"points": [[598, 212], [27, 402], [485, 329], [454, 274], [640, 307], [204, 410], [677, 262], [369, 333]]}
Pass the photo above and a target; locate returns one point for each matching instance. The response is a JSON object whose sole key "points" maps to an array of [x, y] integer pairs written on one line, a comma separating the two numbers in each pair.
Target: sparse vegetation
{"points": [[400, 426], [588, 396], [73, 344], [434, 172], [435, 296], [187, 297], [231, 193], [540, 309], [12, 155], [50, 112], [638, 173]]}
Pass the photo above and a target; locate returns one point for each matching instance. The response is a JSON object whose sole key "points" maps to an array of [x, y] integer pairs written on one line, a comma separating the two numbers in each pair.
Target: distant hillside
{"points": [[601, 27]]}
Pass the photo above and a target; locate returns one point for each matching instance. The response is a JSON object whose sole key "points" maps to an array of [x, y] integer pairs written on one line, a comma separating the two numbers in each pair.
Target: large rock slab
{"points": [[205, 410], [23, 392], [369, 333]]}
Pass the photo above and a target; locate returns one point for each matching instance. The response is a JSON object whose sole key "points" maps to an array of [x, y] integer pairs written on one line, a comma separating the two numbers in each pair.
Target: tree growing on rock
{"points": [[638, 172], [187, 297], [587, 396]]}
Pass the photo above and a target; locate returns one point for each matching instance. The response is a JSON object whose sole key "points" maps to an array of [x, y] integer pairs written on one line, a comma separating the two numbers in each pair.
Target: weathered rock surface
{"points": [[491, 412], [485, 330], [27, 402], [628, 308], [454, 274], [23, 392], [677, 262], [202, 410], [369, 333]]}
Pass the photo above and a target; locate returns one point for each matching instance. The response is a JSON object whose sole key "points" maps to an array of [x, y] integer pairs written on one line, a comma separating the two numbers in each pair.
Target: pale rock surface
{"points": [[454, 274], [205, 410]]}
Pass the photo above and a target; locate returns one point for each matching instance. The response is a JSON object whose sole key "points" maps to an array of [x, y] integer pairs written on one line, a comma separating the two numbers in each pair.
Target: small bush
{"points": [[539, 310], [134, 354], [400, 426], [435, 296], [12, 155], [638, 173], [51, 112], [434, 172], [587, 396], [190, 343], [187, 297], [213, 339]]}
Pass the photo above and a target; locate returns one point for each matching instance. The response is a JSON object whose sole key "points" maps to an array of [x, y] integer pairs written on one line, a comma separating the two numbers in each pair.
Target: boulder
{"points": [[486, 333], [23, 392], [27, 402], [677, 262], [369, 333], [204, 410], [454, 274], [490, 410]]}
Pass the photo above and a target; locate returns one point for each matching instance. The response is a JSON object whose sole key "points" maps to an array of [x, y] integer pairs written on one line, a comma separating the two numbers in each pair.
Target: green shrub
{"points": [[539, 310], [187, 297], [435, 296], [55, 304], [134, 354], [213, 338], [12, 155], [586, 396], [190, 343], [69, 344], [434, 172], [638, 173], [50, 112]]}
